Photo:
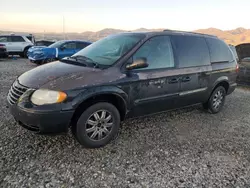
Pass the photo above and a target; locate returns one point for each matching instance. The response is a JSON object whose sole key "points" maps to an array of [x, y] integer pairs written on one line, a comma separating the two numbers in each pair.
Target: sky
{"points": [[94, 15]]}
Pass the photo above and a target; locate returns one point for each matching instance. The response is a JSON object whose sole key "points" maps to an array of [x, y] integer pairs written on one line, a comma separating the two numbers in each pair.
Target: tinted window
{"points": [[157, 51], [3, 39], [70, 45], [219, 51], [17, 39], [81, 45], [191, 51]]}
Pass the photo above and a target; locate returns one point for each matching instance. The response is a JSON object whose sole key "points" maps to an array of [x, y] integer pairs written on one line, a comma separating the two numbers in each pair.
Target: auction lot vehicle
{"points": [[44, 43], [243, 51], [3, 51], [123, 76], [58, 50], [16, 44]]}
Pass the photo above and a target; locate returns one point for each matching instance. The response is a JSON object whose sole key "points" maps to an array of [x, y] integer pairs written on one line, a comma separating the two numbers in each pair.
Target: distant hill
{"points": [[236, 36]]}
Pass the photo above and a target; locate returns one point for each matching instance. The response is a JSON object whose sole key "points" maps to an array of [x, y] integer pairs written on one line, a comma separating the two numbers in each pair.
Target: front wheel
{"points": [[97, 125], [49, 60], [216, 100]]}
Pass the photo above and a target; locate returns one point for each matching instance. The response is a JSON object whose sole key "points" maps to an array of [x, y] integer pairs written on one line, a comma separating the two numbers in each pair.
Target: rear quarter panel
{"points": [[222, 72]]}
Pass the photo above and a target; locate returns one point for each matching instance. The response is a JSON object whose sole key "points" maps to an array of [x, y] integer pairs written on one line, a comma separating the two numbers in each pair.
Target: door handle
{"points": [[173, 80], [186, 79]]}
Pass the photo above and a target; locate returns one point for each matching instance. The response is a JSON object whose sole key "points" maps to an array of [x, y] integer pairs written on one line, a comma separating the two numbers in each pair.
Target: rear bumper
{"points": [[231, 88], [43, 123]]}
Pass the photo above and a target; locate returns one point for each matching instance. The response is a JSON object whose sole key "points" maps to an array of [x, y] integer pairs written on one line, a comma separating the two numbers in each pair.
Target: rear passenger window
{"points": [[17, 39], [70, 45], [81, 45], [191, 51], [219, 51], [158, 52]]}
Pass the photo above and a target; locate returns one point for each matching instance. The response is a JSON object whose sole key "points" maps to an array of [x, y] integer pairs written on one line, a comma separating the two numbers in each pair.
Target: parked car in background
{"points": [[38, 45], [16, 44], [122, 76], [243, 51], [58, 50], [44, 43], [3, 51], [31, 38]]}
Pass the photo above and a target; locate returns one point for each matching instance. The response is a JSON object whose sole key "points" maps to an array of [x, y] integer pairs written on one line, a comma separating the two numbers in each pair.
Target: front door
{"points": [[68, 49], [154, 88]]}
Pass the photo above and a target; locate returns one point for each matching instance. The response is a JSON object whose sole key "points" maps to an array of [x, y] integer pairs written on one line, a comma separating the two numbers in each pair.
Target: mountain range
{"points": [[235, 36]]}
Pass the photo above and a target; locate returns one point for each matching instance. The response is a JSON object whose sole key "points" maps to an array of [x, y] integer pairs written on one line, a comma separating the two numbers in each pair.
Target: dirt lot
{"points": [[183, 148]]}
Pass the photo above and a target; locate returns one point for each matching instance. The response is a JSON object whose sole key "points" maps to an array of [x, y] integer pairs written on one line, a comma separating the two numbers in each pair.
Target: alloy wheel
{"points": [[218, 99], [99, 125]]}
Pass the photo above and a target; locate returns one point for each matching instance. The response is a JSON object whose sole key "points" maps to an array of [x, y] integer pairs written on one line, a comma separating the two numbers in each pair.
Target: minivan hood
{"points": [[243, 50], [63, 76]]}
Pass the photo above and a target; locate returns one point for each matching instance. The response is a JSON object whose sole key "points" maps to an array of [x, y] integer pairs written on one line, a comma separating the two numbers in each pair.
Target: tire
{"points": [[48, 60], [97, 125], [25, 53], [216, 100]]}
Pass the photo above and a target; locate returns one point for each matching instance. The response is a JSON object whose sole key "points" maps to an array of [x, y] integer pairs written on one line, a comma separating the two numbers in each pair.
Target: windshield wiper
{"points": [[86, 59], [72, 61]]}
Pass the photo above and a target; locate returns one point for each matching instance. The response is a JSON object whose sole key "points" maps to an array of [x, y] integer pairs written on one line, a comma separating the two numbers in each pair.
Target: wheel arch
{"points": [[115, 96], [222, 81], [27, 47]]}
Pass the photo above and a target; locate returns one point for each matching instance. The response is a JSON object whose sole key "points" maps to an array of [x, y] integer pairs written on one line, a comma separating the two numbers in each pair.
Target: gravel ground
{"points": [[182, 148]]}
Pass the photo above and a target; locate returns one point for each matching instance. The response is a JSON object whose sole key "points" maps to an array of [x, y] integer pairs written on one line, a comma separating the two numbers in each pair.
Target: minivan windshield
{"points": [[108, 50]]}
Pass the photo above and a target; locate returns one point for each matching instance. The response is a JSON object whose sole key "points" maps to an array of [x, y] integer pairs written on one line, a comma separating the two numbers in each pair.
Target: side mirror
{"points": [[62, 48], [138, 64]]}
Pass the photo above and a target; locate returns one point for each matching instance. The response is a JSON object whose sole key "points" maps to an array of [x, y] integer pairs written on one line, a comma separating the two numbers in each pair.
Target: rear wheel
{"points": [[97, 125], [216, 100]]}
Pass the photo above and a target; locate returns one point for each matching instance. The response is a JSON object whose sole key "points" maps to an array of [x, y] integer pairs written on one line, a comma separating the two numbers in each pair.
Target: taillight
{"points": [[237, 67], [2, 46]]}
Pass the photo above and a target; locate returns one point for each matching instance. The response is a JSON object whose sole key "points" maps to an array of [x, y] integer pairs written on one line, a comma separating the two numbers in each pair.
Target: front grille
{"points": [[15, 92]]}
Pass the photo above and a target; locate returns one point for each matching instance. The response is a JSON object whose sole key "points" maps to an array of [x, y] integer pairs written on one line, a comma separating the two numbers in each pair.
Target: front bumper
{"points": [[42, 122], [3, 53]]}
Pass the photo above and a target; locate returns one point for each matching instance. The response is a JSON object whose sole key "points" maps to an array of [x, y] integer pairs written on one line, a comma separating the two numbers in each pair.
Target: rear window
{"points": [[191, 51], [233, 49], [219, 51]]}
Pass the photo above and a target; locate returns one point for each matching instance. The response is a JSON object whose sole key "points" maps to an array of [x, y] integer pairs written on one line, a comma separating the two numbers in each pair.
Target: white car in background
{"points": [[17, 44]]}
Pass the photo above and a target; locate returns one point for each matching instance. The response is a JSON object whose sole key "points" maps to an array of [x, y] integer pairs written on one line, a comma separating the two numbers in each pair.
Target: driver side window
{"points": [[70, 45], [158, 53]]}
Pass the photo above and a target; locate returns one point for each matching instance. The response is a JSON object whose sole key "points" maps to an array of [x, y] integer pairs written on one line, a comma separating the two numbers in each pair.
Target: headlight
{"points": [[42, 96]]}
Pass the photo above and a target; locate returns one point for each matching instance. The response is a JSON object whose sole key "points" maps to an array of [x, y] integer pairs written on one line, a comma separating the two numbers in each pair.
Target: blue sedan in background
{"points": [[58, 50]]}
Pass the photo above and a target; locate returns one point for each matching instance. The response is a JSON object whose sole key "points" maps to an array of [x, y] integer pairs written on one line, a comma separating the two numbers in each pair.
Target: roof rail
{"points": [[189, 32]]}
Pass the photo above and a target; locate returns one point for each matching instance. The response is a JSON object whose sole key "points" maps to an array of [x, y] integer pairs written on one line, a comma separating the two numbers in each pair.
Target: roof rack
{"points": [[188, 32]]}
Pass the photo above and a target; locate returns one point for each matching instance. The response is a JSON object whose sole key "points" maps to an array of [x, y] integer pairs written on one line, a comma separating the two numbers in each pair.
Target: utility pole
{"points": [[64, 28]]}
